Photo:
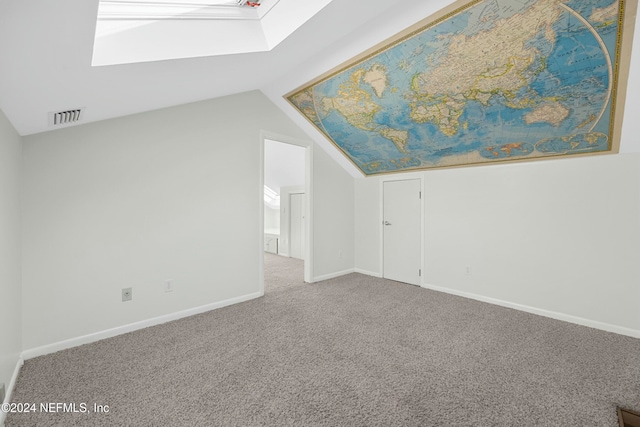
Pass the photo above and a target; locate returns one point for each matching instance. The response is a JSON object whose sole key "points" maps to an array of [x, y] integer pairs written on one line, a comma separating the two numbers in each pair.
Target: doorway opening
{"points": [[286, 214]]}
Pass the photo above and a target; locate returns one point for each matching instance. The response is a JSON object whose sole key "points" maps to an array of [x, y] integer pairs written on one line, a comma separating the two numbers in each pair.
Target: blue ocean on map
{"points": [[385, 113]]}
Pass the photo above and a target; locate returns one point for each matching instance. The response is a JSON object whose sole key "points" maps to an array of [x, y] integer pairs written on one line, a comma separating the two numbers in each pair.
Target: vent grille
{"points": [[65, 117]]}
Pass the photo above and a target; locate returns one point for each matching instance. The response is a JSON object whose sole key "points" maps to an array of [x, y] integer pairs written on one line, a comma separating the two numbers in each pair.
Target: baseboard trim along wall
{"points": [[332, 275], [10, 387], [541, 312], [97, 336], [368, 273]]}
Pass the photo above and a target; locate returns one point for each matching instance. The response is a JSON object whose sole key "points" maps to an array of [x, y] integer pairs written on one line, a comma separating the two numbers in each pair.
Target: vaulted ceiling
{"points": [[46, 52]]}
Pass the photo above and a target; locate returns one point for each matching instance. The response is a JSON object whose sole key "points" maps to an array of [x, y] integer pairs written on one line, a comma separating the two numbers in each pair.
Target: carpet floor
{"points": [[282, 272], [351, 351]]}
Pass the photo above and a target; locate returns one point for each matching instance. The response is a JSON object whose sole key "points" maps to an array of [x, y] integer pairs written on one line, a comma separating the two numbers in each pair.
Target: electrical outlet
{"points": [[468, 270], [168, 286], [127, 294], [2, 393], [340, 254]]}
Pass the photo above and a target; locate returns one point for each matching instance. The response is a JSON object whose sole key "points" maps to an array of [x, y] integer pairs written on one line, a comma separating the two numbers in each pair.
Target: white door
{"points": [[296, 235], [401, 231]]}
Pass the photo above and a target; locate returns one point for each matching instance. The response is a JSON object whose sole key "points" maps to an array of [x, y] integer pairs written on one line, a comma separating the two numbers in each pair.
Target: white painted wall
{"points": [[10, 280], [333, 212], [170, 194], [631, 127], [561, 236], [271, 219]]}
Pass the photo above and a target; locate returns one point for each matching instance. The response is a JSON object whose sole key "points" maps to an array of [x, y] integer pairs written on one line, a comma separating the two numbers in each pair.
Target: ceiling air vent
{"points": [[65, 117]]}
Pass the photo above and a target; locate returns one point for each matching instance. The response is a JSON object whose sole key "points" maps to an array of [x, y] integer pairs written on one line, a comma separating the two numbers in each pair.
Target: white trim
{"points": [[284, 245], [333, 275], [308, 189], [97, 336], [261, 218], [422, 231], [541, 312], [367, 273], [381, 226], [12, 385], [110, 10]]}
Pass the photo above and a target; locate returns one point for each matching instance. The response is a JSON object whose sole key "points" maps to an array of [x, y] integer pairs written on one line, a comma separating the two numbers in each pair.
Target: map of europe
{"points": [[494, 80]]}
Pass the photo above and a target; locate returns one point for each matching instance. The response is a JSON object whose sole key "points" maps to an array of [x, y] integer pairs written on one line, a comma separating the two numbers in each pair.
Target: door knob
{"points": [[387, 223]]}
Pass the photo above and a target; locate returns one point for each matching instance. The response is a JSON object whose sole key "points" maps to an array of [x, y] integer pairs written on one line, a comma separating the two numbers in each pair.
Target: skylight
{"points": [[271, 198], [152, 10], [130, 31]]}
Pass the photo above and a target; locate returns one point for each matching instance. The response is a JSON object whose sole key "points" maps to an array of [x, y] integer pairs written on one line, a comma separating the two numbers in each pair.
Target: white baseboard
{"points": [[86, 339], [541, 312], [368, 273], [332, 275], [10, 387]]}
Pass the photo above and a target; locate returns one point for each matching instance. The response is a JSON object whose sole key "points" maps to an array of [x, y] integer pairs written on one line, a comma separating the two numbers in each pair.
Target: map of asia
{"points": [[492, 80]]}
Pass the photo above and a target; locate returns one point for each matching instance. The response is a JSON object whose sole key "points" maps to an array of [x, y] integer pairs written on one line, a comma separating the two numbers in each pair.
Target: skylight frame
{"points": [[147, 36], [156, 10], [271, 198]]}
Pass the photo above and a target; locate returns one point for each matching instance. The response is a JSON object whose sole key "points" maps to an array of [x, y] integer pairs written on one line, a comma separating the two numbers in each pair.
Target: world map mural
{"points": [[490, 81]]}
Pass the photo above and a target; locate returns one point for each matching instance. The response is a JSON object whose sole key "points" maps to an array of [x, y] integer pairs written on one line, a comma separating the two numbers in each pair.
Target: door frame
{"points": [[285, 220], [289, 219], [404, 177], [308, 189]]}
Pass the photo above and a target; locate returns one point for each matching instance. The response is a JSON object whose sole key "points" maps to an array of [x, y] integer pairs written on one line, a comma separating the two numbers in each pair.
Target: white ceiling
{"points": [[46, 50], [284, 165]]}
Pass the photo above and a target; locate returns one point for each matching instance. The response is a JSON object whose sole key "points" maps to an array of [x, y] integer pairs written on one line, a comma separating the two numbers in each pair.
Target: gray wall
{"points": [[10, 292], [170, 194], [555, 237]]}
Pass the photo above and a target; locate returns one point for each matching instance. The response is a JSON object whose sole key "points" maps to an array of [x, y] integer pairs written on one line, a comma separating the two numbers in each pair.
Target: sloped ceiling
{"points": [[489, 82], [46, 49], [383, 27]]}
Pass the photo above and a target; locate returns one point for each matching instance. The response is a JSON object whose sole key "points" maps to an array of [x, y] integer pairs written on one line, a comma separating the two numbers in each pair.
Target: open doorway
{"points": [[286, 214]]}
